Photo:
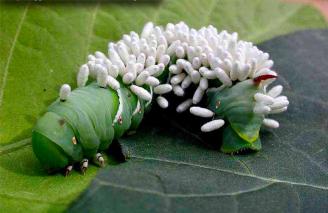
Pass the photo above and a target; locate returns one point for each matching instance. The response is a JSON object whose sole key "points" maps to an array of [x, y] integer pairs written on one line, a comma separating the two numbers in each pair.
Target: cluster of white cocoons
{"points": [[271, 103], [201, 56]]}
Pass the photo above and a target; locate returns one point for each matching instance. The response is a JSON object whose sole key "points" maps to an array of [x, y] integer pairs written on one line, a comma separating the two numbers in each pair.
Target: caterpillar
{"points": [[115, 89]]}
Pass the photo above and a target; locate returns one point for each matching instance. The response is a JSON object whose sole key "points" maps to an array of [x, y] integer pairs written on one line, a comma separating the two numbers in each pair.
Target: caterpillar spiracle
{"points": [[116, 88]]}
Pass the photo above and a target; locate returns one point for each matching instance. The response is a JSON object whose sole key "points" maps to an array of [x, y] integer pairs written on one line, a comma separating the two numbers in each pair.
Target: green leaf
{"points": [[170, 169], [43, 45]]}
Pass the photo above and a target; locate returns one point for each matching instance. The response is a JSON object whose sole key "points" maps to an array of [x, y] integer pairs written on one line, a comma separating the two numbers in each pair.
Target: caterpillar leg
{"points": [[84, 165], [99, 159], [68, 170]]}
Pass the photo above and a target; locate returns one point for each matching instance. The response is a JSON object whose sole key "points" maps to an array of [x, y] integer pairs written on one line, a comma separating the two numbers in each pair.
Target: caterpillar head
{"points": [[237, 105], [53, 142]]}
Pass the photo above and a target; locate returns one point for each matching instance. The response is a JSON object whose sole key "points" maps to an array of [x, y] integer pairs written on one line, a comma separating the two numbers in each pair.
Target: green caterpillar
{"points": [[114, 91]]}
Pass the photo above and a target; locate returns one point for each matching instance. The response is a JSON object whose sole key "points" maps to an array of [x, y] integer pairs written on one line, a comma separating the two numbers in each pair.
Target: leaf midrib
{"points": [[274, 180], [11, 51], [176, 195]]}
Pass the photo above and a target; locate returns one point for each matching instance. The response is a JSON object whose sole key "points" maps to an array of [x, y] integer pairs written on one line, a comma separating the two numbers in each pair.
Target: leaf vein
{"points": [[11, 51], [177, 195], [231, 172]]}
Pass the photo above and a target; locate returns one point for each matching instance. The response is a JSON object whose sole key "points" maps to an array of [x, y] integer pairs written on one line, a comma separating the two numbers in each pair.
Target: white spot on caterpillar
{"points": [[141, 92], [270, 123], [212, 125], [64, 92], [162, 89], [201, 112], [82, 76], [151, 93], [184, 106], [118, 115], [137, 109], [162, 102]]}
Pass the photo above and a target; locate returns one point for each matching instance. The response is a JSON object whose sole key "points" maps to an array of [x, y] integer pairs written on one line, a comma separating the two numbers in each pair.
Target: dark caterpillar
{"points": [[231, 75]]}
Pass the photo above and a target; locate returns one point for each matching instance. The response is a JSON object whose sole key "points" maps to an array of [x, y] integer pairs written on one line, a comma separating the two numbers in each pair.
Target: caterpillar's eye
{"points": [[74, 140], [217, 104]]}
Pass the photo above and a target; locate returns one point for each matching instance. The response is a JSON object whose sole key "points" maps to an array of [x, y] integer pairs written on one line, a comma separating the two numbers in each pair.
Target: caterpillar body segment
{"points": [[84, 124], [221, 78]]}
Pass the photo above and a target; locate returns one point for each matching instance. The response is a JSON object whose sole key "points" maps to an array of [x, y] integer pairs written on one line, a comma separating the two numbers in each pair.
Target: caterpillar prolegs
{"points": [[115, 89]]}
